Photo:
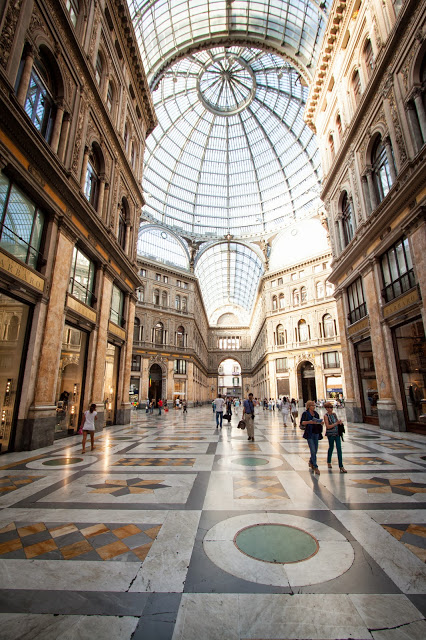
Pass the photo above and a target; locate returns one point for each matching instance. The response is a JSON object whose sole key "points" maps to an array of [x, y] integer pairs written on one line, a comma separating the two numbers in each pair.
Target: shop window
{"points": [[73, 8], [39, 103], [164, 299], [112, 362], [367, 377], [180, 366], [281, 301], [280, 335], [99, 68], [411, 357], [70, 380], [320, 289], [356, 87], [368, 57], [177, 303], [82, 277], [117, 304], [397, 270], [296, 297], [136, 363], [137, 331], [328, 326], [331, 360], [21, 225], [356, 301], [180, 337], [159, 333], [274, 303], [381, 170], [347, 219], [302, 329], [303, 295], [281, 365]]}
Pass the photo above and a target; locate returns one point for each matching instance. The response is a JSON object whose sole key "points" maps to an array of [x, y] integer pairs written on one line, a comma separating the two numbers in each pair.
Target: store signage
{"points": [[117, 331], [401, 303], [81, 309], [18, 270], [359, 326]]}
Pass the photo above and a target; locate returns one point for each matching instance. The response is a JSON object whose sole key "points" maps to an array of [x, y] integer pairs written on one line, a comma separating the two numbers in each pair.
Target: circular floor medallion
{"points": [[61, 461], [250, 462], [278, 543]]}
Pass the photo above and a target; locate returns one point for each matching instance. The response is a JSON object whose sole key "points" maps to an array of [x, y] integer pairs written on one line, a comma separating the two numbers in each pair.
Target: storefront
{"points": [[14, 328], [112, 363], [410, 353], [334, 387], [179, 390], [367, 381]]}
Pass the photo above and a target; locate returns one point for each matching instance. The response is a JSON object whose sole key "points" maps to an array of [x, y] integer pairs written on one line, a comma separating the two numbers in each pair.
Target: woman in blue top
{"points": [[332, 422], [312, 425]]}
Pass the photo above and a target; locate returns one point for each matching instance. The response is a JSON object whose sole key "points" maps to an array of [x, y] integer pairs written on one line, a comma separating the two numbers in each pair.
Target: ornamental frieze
{"points": [[8, 31]]}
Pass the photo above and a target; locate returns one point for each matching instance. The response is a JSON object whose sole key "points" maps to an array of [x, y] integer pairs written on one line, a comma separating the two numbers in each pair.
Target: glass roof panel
{"points": [[157, 244]]}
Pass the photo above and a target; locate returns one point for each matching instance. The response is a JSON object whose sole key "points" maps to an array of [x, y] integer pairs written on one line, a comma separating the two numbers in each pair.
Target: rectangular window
{"points": [[117, 302], [178, 283], [158, 276], [281, 364], [397, 270], [165, 279], [280, 281], [21, 223], [136, 363], [81, 278], [356, 301], [294, 276], [331, 360], [273, 283], [179, 366], [142, 273], [185, 285]]}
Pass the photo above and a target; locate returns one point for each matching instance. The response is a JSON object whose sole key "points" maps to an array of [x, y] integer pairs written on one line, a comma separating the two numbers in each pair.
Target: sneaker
{"points": [[343, 470], [248, 438]]}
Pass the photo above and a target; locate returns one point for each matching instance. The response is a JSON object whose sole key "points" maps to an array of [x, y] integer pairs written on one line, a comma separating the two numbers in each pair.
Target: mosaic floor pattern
{"points": [[172, 529]]}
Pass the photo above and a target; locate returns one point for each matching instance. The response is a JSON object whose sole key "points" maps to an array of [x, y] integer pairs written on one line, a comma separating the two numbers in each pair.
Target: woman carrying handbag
{"points": [[332, 423]]}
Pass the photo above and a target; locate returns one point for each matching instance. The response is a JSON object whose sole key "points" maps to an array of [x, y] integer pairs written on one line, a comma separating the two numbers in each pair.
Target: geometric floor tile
{"points": [[366, 460], [398, 445], [126, 487], [401, 486], [263, 487], [77, 541], [154, 462], [11, 483], [412, 536]]}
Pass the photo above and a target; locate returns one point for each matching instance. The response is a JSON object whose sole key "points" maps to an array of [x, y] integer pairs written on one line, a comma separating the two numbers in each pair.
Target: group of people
{"points": [[312, 424], [289, 410], [221, 405]]}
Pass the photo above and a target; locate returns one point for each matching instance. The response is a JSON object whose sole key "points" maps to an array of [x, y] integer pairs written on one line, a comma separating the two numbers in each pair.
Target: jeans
{"points": [[159, 411], [331, 441], [313, 446], [219, 416]]}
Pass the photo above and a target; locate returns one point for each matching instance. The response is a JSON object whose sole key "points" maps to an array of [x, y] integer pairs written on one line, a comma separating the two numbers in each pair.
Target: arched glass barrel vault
{"points": [[231, 153]]}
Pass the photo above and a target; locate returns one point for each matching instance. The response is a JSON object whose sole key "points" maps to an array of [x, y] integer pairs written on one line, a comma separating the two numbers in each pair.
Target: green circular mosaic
{"points": [[277, 543], [250, 462], [62, 461]]}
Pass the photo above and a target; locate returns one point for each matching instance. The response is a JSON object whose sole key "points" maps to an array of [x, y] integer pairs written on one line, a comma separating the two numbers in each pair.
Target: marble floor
{"points": [[154, 535]]}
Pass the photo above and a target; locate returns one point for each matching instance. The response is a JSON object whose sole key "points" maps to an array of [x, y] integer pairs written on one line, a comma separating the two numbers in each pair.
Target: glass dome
{"points": [[231, 153]]}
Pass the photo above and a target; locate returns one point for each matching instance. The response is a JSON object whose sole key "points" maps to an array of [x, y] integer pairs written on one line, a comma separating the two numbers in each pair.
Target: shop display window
{"points": [[112, 361], [70, 386], [367, 377], [411, 356]]}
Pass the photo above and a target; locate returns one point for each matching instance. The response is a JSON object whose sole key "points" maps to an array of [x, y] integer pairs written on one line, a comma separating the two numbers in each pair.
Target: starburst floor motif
{"points": [[402, 486], [125, 487]]}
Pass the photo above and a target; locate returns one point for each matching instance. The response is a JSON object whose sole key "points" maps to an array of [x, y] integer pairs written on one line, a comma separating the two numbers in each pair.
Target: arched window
{"points": [[368, 57], [296, 297], [320, 289], [381, 170], [39, 102], [122, 218], [126, 136], [177, 303], [329, 289], [156, 296], [99, 68], [303, 331], [164, 299], [180, 337], [141, 294], [91, 186], [356, 87], [110, 97], [347, 223], [73, 7], [280, 335], [328, 326], [158, 333], [136, 330], [274, 303], [184, 304], [331, 145], [282, 301], [339, 124], [303, 295]]}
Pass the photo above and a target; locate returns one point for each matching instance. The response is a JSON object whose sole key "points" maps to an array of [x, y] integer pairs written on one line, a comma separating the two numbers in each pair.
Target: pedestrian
{"points": [[184, 406], [293, 411], [248, 416], [273, 404], [219, 404], [166, 408], [213, 406], [151, 406], [332, 422], [178, 403], [88, 425], [147, 405], [236, 405], [312, 425], [285, 410], [160, 406]]}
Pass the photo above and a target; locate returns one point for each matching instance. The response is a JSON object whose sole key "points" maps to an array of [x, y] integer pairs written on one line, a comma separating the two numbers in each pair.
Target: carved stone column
{"points": [[100, 206], [84, 168], [57, 126], [124, 409], [421, 114], [389, 156], [21, 94], [371, 190], [63, 140], [101, 346], [366, 194]]}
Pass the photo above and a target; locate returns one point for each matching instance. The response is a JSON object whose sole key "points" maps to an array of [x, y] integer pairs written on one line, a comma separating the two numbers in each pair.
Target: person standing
{"points": [[160, 406], [236, 405], [293, 412], [312, 424], [285, 410], [88, 425], [248, 416], [184, 406], [332, 422], [219, 403]]}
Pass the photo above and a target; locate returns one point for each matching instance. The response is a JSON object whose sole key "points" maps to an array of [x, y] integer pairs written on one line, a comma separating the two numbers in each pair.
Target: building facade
{"points": [[367, 106], [75, 111]]}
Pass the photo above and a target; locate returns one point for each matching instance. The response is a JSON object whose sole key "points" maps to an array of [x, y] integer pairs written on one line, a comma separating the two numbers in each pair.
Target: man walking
{"points": [[160, 406], [248, 416], [219, 403]]}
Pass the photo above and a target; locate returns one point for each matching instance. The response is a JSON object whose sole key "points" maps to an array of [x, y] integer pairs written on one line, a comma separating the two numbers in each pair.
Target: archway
{"points": [[155, 383], [229, 382], [306, 379]]}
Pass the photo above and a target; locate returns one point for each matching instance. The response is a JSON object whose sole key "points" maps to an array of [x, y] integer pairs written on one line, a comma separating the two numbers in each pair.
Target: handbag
{"points": [[241, 424], [341, 428]]}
